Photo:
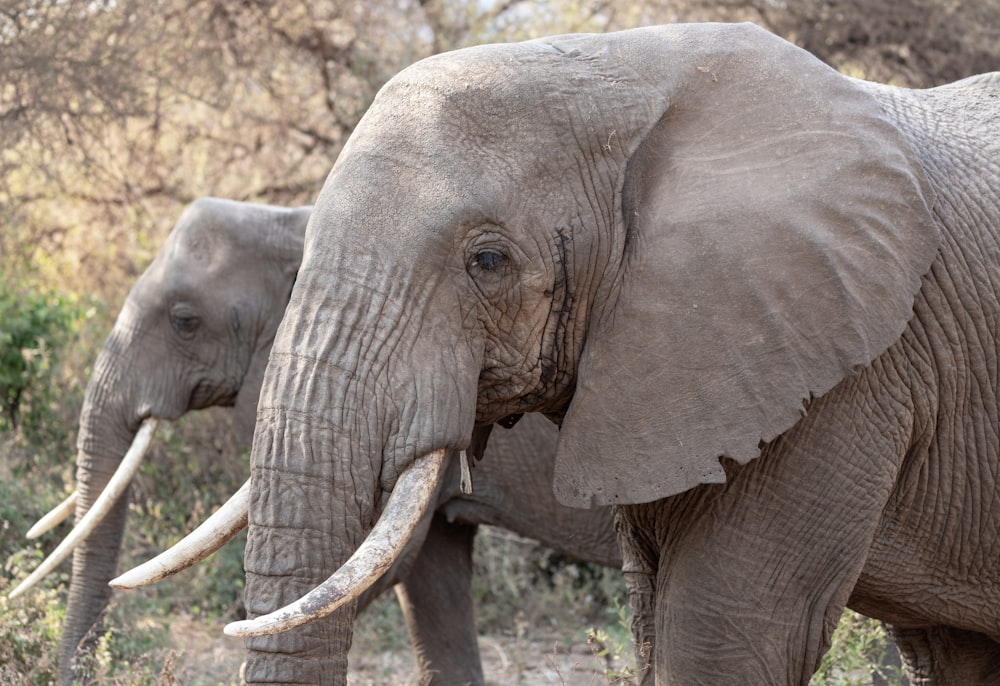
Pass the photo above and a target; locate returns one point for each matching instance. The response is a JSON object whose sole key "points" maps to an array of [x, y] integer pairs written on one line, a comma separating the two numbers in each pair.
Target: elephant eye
{"points": [[185, 323], [489, 260]]}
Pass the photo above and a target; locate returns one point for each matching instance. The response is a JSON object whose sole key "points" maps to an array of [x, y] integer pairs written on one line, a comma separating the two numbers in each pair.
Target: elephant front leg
{"points": [[436, 597], [752, 575], [721, 615]]}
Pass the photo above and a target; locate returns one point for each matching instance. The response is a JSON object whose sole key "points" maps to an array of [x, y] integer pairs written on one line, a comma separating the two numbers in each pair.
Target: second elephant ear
{"points": [[777, 229]]}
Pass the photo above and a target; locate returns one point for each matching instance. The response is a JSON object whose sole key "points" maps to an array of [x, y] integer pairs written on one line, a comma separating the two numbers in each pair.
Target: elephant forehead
{"points": [[512, 95], [614, 78]]}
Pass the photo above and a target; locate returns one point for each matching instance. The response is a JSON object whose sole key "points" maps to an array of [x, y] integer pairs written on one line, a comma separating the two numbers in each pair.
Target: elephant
{"points": [[194, 332], [760, 298], [199, 324]]}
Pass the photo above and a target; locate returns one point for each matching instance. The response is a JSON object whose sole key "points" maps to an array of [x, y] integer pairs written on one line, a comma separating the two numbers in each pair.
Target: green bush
{"points": [[35, 326], [29, 636], [859, 649]]}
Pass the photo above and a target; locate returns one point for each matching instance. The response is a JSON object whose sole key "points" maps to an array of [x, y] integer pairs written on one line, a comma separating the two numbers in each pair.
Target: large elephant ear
{"points": [[776, 229]]}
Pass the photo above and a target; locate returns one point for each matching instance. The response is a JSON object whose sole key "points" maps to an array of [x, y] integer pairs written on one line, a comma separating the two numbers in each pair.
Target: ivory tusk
{"points": [[98, 511], [211, 535], [407, 504], [54, 518]]}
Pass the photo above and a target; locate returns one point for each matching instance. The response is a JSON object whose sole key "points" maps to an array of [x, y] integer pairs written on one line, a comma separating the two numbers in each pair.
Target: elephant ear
{"points": [[776, 229]]}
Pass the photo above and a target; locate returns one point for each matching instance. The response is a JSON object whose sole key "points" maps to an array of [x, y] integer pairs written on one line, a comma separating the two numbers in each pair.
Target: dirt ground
{"points": [[535, 661], [203, 656]]}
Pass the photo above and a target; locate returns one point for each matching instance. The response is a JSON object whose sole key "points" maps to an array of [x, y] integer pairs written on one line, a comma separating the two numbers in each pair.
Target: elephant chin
{"points": [[406, 507]]}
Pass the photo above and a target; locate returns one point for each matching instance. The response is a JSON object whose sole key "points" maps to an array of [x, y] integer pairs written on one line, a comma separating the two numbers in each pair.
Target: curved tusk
{"points": [[54, 518], [112, 492], [212, 534], [407, 504]]}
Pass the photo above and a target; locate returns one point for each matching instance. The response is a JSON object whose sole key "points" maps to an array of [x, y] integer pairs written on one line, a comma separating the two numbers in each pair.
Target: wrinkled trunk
{"points": [[312, 503], [338, 421], [94, 564], [106, 432]]}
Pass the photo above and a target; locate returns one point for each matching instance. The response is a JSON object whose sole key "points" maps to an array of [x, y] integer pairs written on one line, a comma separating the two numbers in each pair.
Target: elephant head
{"points": [[666, 239], [194, 332]]}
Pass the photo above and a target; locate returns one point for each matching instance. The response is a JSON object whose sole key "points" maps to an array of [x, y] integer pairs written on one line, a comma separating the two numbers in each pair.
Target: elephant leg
{"points": [[436, 597], [639, 564], [945, 656], [753, 575]]}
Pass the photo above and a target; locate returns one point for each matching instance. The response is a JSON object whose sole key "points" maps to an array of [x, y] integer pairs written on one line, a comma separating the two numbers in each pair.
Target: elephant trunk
{"points": [[407, 508], [94, 563], [107, 430], [312, 499], [339, 420]]}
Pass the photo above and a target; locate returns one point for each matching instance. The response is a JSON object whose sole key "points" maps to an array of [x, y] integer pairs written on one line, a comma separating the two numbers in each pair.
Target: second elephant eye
{"points": [[185, 323]]}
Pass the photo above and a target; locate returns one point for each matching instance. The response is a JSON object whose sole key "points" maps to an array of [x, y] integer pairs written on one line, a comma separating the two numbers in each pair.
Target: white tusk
{"points": [[407, 504], [54, 518], [112, 492], [213, 533], [465, 480]]}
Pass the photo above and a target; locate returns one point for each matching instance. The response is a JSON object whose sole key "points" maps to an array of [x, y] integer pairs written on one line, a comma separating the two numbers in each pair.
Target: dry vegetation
{"points": [[115, 114]]}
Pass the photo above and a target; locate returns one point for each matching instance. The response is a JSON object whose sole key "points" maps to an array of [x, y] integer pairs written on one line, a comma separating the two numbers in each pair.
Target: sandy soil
{"points": [[203, 656], [506, 661]]}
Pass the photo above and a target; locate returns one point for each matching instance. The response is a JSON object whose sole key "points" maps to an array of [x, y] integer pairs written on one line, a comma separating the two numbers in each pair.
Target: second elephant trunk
{"points": [[108, 425], [94, 560], [94, 564]]}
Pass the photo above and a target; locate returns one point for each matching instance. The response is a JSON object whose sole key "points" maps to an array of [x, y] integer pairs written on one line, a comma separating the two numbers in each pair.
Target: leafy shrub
{"points": [[35, 326], [29, 636], [859, 650]]}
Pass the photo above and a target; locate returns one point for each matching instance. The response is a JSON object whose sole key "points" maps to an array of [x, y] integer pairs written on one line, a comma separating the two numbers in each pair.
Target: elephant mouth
{"points": [[405, 508]]}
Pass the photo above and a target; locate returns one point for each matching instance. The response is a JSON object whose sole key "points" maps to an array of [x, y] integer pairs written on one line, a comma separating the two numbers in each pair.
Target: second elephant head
{"points": [[194, 332]]}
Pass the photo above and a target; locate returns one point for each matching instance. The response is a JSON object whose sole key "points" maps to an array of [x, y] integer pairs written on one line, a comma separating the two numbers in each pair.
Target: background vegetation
{"points": [[114, 114]]}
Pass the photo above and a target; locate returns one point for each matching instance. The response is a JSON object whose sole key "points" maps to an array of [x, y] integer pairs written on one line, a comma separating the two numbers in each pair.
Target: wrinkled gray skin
{"points": [[200, 323], [684, 243]]}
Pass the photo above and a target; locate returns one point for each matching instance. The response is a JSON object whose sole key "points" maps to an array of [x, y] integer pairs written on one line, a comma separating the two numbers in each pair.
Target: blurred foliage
{"points": [[860, 649], [614, 647], [29, 637], [35, 328], [505, 564], [30, 626], [114, 114]]}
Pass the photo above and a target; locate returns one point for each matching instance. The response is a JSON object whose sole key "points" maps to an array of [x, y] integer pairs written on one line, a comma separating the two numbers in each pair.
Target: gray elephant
{"points": [[194, 331], [199, 323], [761, 298]]}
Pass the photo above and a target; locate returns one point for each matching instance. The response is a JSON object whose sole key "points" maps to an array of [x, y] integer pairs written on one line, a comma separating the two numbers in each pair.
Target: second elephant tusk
{"points": [[407, 504], [213, 533], [98, 511], [54, 518]]}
